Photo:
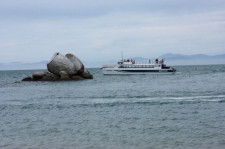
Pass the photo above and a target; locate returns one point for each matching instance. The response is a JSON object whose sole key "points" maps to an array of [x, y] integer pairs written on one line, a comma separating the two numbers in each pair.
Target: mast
{"points": [[122, 55]]}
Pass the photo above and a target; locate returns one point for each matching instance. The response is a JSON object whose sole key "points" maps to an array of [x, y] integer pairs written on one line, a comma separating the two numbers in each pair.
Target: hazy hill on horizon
{"points": [[197, 59], [170, 59]]}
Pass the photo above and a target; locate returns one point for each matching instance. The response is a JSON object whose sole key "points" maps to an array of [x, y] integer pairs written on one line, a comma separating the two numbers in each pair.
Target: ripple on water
{"points": [[176, 111]]}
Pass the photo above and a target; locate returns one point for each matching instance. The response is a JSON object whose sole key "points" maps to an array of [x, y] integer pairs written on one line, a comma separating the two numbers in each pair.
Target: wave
{"points": [[138, 99], [110, 102], [93, 102]]}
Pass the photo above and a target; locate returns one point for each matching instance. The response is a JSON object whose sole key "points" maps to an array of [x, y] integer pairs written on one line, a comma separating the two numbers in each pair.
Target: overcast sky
{"points": [[98, 30]]}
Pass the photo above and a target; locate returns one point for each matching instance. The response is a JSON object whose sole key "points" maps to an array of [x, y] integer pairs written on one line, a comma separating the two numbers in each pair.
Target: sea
{"points": [[184, 110]]}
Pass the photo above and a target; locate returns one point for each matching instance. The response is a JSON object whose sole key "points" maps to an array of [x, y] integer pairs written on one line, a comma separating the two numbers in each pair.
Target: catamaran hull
{"points": [[133, 72]]}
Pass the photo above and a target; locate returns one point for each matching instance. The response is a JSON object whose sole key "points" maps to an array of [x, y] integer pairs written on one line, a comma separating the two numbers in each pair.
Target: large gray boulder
{"points": [[79, 67], [81, 70], [60, 63]]}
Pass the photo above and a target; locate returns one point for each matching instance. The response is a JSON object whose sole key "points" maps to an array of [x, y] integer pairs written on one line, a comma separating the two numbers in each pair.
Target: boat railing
{"points": [[149, 61]]}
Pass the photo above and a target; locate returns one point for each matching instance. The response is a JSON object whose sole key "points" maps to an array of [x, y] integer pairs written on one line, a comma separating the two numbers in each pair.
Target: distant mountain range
{"points": [[23, 66], [170, 59], [198, 59]]}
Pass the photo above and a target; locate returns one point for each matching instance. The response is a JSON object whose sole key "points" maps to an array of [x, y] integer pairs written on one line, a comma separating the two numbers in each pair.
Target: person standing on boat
{"points": [[156, 61]]}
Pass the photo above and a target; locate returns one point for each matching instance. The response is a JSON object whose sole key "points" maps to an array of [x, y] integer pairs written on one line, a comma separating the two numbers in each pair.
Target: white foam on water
{"points": [[159, 99]]}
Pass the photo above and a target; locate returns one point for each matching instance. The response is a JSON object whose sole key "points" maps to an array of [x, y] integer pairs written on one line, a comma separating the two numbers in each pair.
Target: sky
{"points": [[98, 30]]}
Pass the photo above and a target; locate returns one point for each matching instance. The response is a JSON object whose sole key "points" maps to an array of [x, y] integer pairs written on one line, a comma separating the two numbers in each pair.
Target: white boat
{"points": [[130, 67]]}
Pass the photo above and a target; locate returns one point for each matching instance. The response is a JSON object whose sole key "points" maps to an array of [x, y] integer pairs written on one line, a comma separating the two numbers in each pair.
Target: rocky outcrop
{"points": [[61, 67]]}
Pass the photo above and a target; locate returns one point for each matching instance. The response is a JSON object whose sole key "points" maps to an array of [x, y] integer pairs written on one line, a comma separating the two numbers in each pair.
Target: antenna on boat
{"points": [[122, 55]]}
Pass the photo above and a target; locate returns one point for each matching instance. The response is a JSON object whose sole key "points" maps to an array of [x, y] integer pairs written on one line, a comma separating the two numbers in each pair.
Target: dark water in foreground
{"points": [[185, 110]]}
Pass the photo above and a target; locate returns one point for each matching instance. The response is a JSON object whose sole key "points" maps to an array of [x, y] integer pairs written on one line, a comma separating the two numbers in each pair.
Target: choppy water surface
{"points": [[185, 110]]}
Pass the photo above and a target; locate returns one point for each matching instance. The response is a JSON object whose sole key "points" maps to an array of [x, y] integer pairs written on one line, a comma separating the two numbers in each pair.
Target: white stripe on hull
{"points": [[113, 72]]}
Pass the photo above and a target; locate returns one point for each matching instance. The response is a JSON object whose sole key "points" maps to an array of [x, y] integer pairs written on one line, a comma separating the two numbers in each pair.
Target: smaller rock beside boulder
{"points": [[42, 76], [64, 75], [39, 75], [50, 77], [86, 74], [28, 79], [77, 78]]}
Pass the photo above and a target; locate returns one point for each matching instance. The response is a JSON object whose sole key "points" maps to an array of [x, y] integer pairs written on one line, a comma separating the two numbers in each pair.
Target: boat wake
{"points": [[194, 99]]}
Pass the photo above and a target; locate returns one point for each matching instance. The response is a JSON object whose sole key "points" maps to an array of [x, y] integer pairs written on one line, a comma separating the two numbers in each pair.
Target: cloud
{"points": [[33, 30], [49, 9]]}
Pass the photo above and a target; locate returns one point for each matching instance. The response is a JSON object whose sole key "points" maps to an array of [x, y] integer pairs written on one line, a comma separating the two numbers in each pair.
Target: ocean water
{"points": [[185, 110]]}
